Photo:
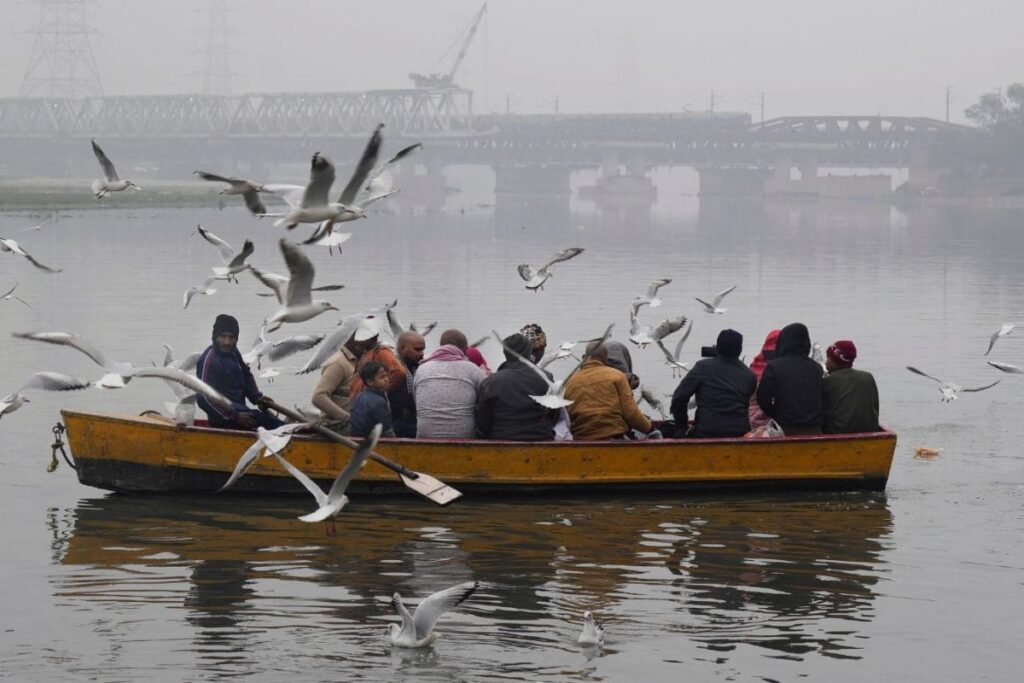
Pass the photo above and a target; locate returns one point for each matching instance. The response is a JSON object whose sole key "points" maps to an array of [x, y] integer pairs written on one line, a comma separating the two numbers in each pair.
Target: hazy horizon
{"points": [[876, 58]]}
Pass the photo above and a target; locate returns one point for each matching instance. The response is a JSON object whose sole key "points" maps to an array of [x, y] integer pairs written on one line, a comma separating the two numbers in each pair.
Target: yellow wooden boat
{"points": [[152, 454]]}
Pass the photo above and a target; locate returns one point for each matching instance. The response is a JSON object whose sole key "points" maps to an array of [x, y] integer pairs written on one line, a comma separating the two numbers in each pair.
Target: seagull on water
{"points": [[249, 190], [651, 297], [417, 629], [331, 503], [268, 442], [373, 184], [713, 306], [1005, 330], [535, 279], [950, 391], [679, 368], [46, 381], [118, 374], [7, 245], [555, 396], [11, 295], [314, 206], [234, 263], [642, 335], [110, 182], [298, 305], [593, 632]]}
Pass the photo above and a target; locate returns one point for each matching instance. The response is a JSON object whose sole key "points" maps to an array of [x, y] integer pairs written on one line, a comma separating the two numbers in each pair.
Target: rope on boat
{"points": [[58, 445]]}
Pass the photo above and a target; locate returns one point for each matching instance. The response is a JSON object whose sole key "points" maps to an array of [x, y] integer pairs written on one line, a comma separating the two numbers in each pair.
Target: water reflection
{"points": [[789, 575]]}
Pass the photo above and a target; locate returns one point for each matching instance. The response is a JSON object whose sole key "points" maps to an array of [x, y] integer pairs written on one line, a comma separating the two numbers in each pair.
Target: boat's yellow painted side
{"points": [[152, 441]]}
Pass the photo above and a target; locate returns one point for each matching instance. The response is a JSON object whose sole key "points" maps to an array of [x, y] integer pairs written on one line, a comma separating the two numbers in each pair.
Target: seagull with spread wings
{"points": [[949, 390], [417, 629], [535, 279], [8, 245], [314, 206], [46, 381], [651, 297], [234, 262], [110, 182], [679, 368], [713, 306], [298, 305], [249, 190], [10, 295], [642, 335], [374, 183], [1005, 330]]}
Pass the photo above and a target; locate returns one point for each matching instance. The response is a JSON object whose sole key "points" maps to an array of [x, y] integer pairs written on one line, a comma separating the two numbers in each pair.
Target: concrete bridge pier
{"points": [[634, 183], [731, 182], [783, 182]]}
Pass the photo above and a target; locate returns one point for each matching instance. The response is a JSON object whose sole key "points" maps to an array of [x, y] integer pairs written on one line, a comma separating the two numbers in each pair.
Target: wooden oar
{"points": [[424, 484]]}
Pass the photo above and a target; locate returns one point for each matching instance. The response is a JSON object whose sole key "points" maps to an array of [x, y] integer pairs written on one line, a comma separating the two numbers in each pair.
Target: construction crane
{"points": [[439, 80]]}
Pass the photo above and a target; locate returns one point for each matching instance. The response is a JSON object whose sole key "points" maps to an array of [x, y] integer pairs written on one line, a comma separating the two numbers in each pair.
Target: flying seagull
{"points": [[314, 206], [1005, 330], [278, 284], [268, 442], [397, 328], [713, 306], [11, 295], [348, 326], [651, 297], [679, 368], [331, 503], [46, 381], [555, 396], [642, 335], [110, 182], [1007, 368], [950, 391], [417, 629], [234, 263], [8, 245], [401, 154], [298, 305], [203, 289], [276, 350], [118, 374], [535, 279], [653, 401], [323, 235], [249, 190]]}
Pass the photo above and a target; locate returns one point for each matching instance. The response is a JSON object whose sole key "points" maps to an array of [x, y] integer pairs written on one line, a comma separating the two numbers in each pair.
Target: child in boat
{"points": [[371, 406]]}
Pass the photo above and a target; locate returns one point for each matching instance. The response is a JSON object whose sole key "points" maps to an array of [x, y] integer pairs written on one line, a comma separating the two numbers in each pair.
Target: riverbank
{"points": [[34, 193]]}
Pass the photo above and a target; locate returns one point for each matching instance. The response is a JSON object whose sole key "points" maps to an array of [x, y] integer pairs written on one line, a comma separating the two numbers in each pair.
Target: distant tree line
{"points": [[1001, 115]]}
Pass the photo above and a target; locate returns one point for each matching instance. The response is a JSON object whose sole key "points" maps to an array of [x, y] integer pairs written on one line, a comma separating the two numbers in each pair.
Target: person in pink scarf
{"points": [[445, 388], [754, 413], [473, 354]]}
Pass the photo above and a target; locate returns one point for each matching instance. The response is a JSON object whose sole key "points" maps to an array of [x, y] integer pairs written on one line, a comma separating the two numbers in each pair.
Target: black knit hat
{"points": [[224, 323], [729, 344]]}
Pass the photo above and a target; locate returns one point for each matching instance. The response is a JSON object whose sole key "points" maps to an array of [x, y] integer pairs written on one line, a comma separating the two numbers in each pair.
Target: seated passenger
{"points": [[723, 386], [851, 396], [754, 413], [504, 409], [478, 358], [603, 405], [403, 404], [538, 340], [371, 406], [445, 389], [221, 366], [791, 389], [332, 394]]}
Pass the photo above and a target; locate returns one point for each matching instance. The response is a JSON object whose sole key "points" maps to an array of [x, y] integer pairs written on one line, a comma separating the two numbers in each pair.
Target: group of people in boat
{"points": [[453, 394]]}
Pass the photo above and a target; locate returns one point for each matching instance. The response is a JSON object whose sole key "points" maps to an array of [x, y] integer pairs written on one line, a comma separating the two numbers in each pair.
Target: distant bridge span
{"points": [[270, 128]]}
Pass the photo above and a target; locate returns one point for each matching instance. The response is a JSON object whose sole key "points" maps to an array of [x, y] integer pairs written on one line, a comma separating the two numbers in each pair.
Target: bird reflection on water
{"points": [[791, 575]]}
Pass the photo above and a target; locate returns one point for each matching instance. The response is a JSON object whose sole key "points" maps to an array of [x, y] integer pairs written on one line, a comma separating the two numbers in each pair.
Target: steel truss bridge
{"points": [[270, 128]]}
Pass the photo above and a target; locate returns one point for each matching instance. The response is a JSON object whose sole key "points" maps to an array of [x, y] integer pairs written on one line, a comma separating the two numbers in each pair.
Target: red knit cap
{"points": [[842, 353]]}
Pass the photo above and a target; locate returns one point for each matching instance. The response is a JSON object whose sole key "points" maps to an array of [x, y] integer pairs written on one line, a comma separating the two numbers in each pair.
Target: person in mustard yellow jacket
{"points": [[603, 405]]}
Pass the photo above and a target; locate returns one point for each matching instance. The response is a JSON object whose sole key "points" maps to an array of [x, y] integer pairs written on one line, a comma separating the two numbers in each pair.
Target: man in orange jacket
{"points": [[603, 405]]}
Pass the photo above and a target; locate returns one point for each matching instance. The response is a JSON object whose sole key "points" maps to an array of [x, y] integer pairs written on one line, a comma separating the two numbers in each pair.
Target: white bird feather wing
{"points": [[301, 272]]}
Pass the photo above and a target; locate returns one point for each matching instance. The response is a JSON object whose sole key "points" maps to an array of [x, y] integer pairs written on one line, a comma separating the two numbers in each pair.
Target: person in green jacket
{"points": [[851, 396]]}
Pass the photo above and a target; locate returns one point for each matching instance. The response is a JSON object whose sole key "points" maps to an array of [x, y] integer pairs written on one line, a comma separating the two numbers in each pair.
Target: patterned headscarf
{"points": [[535, 335]]}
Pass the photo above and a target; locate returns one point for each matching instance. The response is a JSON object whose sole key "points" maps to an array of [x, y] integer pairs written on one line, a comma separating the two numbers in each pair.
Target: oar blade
{"points": [[429, 487]]}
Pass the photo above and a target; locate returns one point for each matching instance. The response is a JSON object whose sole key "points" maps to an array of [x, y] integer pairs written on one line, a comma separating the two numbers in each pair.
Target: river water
{"points": [[923, 581]]}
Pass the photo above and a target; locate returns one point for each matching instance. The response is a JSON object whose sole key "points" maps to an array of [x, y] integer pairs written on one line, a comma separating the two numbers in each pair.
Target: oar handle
{"points": [[334, 436]]}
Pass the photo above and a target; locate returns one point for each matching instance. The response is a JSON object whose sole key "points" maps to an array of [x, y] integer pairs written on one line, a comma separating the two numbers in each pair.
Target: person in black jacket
{"points": [[723, 386], [791, 390], [504, 409]]}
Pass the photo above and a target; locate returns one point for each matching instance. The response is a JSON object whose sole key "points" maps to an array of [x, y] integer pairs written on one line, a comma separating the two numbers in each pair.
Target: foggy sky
{"points": [[808, 57]]}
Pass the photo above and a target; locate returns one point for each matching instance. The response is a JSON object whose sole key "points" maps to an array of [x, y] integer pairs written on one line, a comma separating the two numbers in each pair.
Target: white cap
{"points": [[368, 329]]}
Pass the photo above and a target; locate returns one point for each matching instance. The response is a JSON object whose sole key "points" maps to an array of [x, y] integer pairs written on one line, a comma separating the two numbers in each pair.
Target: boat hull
{"points": [[150, 454]]}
